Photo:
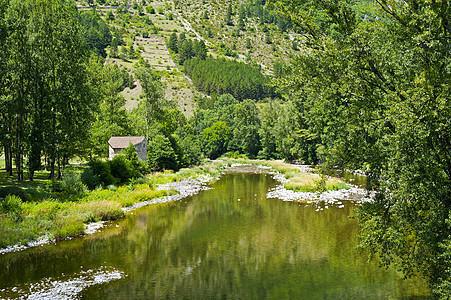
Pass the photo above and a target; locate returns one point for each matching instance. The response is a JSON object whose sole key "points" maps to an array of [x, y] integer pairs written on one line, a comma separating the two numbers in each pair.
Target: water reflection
{"points": [[229, 242]]}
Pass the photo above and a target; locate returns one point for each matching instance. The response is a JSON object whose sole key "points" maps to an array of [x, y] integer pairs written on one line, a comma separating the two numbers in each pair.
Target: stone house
{"points": [[118, 143]]}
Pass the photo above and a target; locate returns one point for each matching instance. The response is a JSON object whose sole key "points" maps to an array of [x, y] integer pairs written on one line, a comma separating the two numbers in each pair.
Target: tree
{"points": [[112, 119], [97, 34], [241, 17], [160, 154], [248, 43], [153, 103], [185, 51], [247, 124], [215, 139], [50, 101], [172, 44], [199, 49], [270, 115], [377, 94]]}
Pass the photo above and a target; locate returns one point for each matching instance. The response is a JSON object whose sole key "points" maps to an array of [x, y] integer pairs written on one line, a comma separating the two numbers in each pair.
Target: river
{"points": [[228, 242]]}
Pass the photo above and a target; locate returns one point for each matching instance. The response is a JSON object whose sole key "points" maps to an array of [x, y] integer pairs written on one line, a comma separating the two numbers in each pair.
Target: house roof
{"points": [[121, 142]]}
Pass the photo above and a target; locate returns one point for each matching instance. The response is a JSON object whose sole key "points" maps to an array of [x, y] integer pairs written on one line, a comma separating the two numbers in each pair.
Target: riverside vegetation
{"points": [[61, 209], [363, 85]]}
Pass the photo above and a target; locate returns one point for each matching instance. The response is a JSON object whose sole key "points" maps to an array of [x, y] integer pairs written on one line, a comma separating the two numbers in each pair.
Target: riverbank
{"points": [[38, 222]]}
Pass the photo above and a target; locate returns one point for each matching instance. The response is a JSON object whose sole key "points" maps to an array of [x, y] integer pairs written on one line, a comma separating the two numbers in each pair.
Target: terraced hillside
{"points": [[145, 30], [257, 38]]}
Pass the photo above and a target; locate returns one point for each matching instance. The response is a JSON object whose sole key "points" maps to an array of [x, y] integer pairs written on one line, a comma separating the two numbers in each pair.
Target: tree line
{"points": [[374, 95], [225, 76], [46, 84]]}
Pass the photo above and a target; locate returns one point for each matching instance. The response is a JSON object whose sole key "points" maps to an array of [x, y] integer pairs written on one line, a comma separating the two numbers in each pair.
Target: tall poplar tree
{"points": [[49, 102]]}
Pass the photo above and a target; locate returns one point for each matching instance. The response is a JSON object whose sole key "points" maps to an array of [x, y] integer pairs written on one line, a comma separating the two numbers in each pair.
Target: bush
{"points": [[72, 183], [103, 172], [139, 181], [150, 10], [121, 168], [54, 186], [139, 167], [90, 179]]}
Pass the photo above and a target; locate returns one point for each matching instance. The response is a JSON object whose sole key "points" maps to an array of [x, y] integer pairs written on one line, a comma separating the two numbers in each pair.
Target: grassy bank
{"points": [[36, 212]]}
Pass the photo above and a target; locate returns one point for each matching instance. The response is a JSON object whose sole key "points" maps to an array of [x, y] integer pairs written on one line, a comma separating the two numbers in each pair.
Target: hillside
{"points": [[145, 29]]}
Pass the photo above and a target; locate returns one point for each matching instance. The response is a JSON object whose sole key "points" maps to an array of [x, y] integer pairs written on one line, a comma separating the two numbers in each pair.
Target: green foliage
{"points": [[151, 109], [160, 154], [191, 150], [372, 94], [72, 183], [98, 35], [24, 194], [248, 43], [216, 139], [122, 169], [139, 167], [270, 116], [228, 19], [10, 205], [172, 44], [60, 98], [110, 15], [224, 76], [102, 170], [150, 9], [90, 179], [111, 119], [247, 124]]}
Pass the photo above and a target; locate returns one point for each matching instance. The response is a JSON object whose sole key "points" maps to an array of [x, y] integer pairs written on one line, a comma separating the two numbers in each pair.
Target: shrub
{"points": [[139, 166], [121, 168], [54, 186], [72, 183], [150, 9], [138, 181], [103, 171], [90, 179]]}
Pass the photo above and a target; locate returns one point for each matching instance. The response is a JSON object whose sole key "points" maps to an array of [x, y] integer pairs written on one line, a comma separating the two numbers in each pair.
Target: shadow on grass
{"points": [[26, 190]]}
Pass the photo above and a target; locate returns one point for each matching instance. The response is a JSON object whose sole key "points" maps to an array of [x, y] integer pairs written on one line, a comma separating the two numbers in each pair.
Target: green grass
{"points": [[60, 216]]}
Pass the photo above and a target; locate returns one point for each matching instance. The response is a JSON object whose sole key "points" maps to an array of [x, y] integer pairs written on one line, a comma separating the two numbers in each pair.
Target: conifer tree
{"points": [[173, 43]]}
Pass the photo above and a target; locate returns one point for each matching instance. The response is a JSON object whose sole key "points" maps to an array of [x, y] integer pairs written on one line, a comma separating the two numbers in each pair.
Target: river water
{"points": [[228, 242]]}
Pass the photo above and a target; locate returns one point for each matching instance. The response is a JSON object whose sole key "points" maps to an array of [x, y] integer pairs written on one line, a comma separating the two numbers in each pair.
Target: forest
{"points": [[224, 76], [370, 91]]}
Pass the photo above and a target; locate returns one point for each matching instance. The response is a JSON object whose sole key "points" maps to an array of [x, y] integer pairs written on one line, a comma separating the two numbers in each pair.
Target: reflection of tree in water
{"points": [[214, 246]]}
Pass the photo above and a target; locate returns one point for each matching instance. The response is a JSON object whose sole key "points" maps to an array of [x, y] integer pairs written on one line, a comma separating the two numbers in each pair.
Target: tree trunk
{"points": [[10, 160], [59, 168], [52, 148], [6, 158]]}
